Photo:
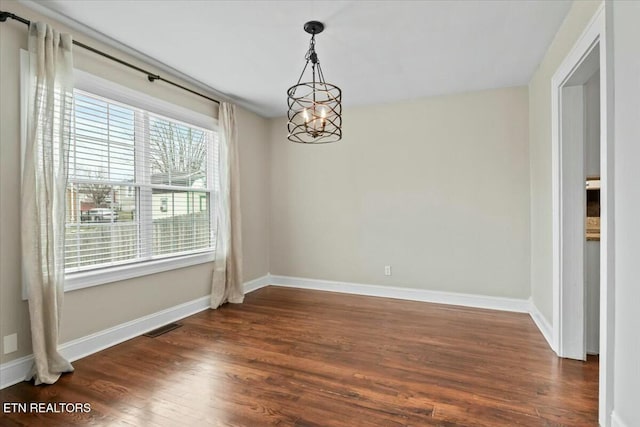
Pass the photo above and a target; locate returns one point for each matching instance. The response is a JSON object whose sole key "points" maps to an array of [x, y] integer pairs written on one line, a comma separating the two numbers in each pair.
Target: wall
{"points": [[438, 188], [253, 138], [540, 152], [592, 247], [93, 309], [592, 122], [626, 57]]}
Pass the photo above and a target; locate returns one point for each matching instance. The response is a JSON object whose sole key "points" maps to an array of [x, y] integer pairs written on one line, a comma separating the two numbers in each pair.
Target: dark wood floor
{"points": [[292, 357]]}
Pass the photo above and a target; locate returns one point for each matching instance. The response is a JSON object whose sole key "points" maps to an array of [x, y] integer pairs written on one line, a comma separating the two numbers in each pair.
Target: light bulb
{"points": [[323, 118]]}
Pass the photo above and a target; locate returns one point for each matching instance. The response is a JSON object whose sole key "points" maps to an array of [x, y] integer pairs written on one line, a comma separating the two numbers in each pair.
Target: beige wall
{"points": [[253, 137], [438, 188], [93, 309]]}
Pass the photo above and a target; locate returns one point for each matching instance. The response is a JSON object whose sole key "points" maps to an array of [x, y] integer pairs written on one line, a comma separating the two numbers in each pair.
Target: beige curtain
{"points": [[227, 275], [44, 181]]}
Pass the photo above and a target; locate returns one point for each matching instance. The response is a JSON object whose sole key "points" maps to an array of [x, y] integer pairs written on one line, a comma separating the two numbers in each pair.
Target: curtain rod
{"points": [[152, 77]]}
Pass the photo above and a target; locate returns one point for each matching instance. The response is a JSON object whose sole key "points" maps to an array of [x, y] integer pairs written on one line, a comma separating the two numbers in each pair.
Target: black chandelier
{"points": [[315, 107]]}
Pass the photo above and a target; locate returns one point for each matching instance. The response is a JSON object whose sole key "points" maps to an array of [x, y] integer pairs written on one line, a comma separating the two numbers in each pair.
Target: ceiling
{"points": [[376, 51]]}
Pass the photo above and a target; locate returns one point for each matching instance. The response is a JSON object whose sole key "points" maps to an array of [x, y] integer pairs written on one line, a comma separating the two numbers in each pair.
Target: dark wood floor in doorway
{"points": [[291, 357]]}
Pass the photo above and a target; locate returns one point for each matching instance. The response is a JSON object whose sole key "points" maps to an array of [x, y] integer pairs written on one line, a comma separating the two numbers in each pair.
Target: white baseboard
{"points": [[15, 371], [412, 294], [543, 324], [255, 284], [616, 421]]}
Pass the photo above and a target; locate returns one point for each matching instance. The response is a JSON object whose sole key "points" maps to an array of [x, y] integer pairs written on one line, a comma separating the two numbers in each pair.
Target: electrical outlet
{"points": [[10, 343], [387, 270]]}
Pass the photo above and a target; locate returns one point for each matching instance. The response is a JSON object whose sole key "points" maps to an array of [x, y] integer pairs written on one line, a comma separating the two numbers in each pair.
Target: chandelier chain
{"points": [[311, 53]]}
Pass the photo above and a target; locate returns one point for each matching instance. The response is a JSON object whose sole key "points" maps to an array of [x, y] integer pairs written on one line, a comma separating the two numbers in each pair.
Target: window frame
{"points": [[96, 85]]}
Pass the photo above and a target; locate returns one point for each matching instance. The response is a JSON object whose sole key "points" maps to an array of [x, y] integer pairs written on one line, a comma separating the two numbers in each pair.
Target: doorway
{"points": [[574, 307], [579, 166]]}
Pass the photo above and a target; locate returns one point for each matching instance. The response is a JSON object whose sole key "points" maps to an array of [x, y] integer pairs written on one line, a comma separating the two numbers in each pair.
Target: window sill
{"points": [[81, 280]]}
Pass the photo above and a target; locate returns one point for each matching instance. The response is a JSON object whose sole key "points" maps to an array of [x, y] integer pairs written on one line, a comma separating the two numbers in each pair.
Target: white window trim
{"points": [[108, 89], [101, 276], [99, 86]]}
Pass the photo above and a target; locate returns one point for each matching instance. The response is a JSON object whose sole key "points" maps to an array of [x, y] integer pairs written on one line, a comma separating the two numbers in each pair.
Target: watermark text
{"points": [[45, 407]]}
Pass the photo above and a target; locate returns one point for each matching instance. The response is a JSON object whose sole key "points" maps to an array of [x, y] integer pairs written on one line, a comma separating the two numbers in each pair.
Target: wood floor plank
{"points": [[293, 357]]}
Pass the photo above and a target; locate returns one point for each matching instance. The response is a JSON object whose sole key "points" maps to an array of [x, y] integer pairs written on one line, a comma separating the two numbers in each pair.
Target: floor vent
{"points": [[162, 330]]}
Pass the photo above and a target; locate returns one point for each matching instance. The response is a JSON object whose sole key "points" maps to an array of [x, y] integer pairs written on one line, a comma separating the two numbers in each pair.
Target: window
{"points": [[141, 188]]}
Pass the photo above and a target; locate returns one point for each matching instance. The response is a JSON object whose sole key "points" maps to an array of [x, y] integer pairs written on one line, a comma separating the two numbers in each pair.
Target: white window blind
{"points": [[141, 186]]}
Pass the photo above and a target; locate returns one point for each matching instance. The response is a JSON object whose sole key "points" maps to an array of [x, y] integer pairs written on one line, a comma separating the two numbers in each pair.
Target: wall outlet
{"points": [[10, 343], [387, 270]]}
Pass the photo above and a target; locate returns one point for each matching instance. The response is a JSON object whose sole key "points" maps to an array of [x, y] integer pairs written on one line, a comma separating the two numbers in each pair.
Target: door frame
{"points": [[594, 36]]}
